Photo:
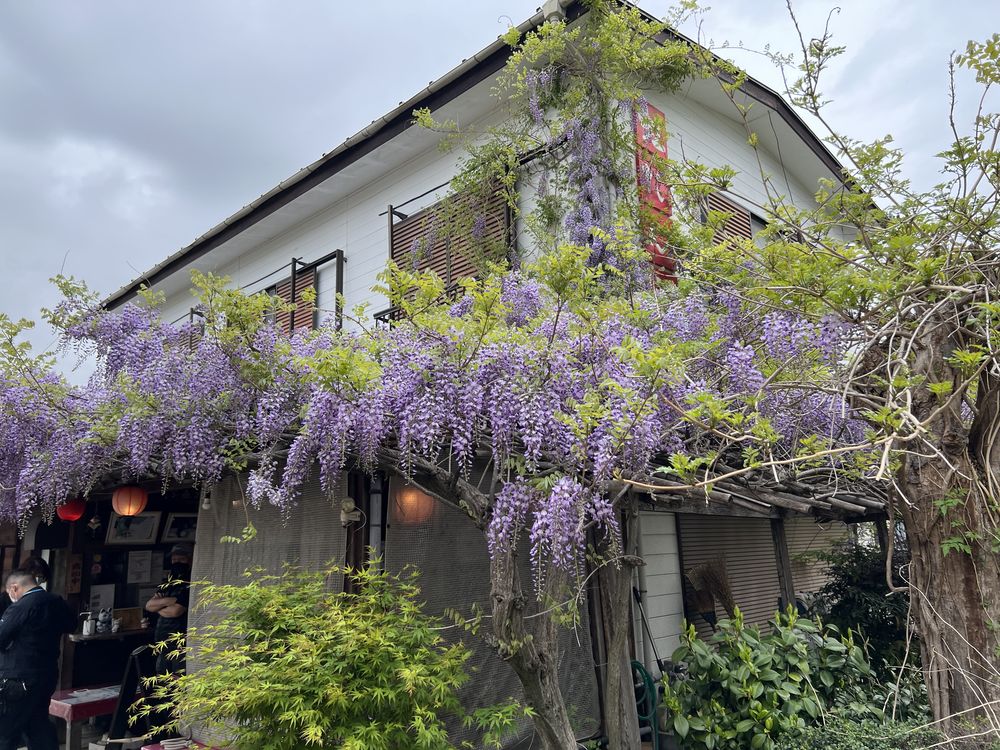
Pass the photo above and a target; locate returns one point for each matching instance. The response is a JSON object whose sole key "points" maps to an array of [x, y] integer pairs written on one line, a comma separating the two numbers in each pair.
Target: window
{"points": [[739, 222], [304, 314], [452, 237]]}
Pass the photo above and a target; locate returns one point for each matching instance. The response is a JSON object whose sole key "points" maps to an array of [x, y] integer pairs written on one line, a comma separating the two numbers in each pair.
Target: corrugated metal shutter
{"points": [[804, 537], [427, 240], [746, 546], [454, 566], [305, 313], [737, 224]]}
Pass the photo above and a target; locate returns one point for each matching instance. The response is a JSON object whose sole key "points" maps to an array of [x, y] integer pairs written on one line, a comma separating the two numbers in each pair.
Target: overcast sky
{"points": [[128, 129]]}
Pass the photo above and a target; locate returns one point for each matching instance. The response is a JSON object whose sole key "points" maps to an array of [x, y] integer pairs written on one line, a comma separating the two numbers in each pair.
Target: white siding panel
{"points": [[659, 523], [699, 134], [354, 225], [666, 563], [662, 601]]}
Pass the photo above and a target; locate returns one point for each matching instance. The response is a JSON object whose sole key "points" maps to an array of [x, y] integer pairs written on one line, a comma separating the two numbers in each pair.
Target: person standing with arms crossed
{"points": [[31, 633], [170, 604]]}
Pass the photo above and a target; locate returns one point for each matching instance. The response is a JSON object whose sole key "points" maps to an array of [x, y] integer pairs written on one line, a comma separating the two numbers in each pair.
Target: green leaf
{"points": [[681, 725]]}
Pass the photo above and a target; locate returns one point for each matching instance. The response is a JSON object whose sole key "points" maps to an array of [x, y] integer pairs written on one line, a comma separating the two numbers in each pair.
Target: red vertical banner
{"points": [[654, 193]]}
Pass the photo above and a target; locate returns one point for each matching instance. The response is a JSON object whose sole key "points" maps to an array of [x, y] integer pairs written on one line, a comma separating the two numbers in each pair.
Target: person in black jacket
{"points": [[170, 605], [30, 635], [38, 568]]}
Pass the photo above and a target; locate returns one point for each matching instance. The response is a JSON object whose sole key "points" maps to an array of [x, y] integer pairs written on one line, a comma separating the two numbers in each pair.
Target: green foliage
{"points": [[746, 688], [290, 663], [856, 597], [843, 733]]}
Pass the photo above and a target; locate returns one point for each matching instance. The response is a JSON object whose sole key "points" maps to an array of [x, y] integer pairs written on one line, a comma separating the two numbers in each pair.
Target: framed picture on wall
{"points": [[140, 529], [180, 527]]}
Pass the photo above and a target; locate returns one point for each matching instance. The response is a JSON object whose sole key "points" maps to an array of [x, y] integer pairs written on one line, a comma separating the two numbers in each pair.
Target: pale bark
{"points": [[949, 495], [621, 717], [532, 651], [955, 598]]}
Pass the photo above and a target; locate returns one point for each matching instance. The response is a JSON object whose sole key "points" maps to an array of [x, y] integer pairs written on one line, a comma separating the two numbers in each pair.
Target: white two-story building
{"points": [[334, 224]]}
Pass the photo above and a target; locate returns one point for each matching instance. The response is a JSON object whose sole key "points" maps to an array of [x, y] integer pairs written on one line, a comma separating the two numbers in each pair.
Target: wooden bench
{"points": [[75, 706]]}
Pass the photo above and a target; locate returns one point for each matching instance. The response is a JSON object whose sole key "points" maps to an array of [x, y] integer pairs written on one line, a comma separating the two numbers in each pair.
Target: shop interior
{"points": [[108, 554]]}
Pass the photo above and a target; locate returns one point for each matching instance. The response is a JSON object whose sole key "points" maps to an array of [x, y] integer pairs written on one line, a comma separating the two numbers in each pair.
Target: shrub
{"points": [[856, 596], [745, 689], [849, 734], [289, 663]]}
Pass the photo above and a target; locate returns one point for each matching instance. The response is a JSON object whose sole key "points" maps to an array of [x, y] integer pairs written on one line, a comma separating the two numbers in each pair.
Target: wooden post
{"points": [[339, 289], [784, 564], [389, 218], [291, 299], [357, 532], [882, 533]]}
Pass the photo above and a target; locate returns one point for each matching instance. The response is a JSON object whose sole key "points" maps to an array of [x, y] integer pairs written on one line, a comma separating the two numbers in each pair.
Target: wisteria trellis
{"points": [[565, 391]]}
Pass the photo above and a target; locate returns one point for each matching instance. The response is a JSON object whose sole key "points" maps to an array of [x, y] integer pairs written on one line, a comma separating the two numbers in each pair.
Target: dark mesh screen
{"points": [[453, 561], [310, 536]]}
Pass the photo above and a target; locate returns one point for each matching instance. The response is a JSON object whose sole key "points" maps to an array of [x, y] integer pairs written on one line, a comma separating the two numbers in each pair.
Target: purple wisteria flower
{"points": [[577, 395]]}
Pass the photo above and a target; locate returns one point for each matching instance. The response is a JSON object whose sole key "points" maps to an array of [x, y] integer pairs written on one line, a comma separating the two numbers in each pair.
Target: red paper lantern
{"points": [[72, 510], [129, 500]]}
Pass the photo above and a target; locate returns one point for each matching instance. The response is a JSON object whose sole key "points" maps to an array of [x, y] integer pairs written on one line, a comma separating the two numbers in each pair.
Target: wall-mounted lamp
{"points": [[206, 498], [409, 505]]}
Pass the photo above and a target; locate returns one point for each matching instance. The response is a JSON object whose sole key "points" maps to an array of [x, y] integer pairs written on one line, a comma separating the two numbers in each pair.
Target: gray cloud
{"points": [[128, 129]]}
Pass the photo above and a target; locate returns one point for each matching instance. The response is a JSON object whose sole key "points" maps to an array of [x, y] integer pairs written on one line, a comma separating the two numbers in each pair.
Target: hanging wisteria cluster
{"points": [[564, 390]]}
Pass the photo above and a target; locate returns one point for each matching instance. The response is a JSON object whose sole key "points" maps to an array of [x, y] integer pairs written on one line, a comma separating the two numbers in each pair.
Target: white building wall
{"points": [[663, 599], [354, 224], [701, 135]]}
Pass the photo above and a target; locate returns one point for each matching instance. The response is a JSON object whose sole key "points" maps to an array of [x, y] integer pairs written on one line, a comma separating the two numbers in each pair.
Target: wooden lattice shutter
{"points": [[429, 241], [737, 223], [305, 313]]}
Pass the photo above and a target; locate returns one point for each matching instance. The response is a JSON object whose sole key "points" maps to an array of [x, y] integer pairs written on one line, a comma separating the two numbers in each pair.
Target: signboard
{"points": [[654, 193], [74, 574]]}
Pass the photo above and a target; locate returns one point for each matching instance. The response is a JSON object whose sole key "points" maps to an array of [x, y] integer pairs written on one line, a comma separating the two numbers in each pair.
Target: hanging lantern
{"points": [[129, 500], [411, 505], [71, 510]]}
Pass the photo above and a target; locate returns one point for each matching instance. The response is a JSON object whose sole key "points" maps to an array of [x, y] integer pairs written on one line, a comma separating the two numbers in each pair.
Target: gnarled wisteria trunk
{"points": [[530, 643], [956, 605], [615, 583], [949, 501], [532, 652]]}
